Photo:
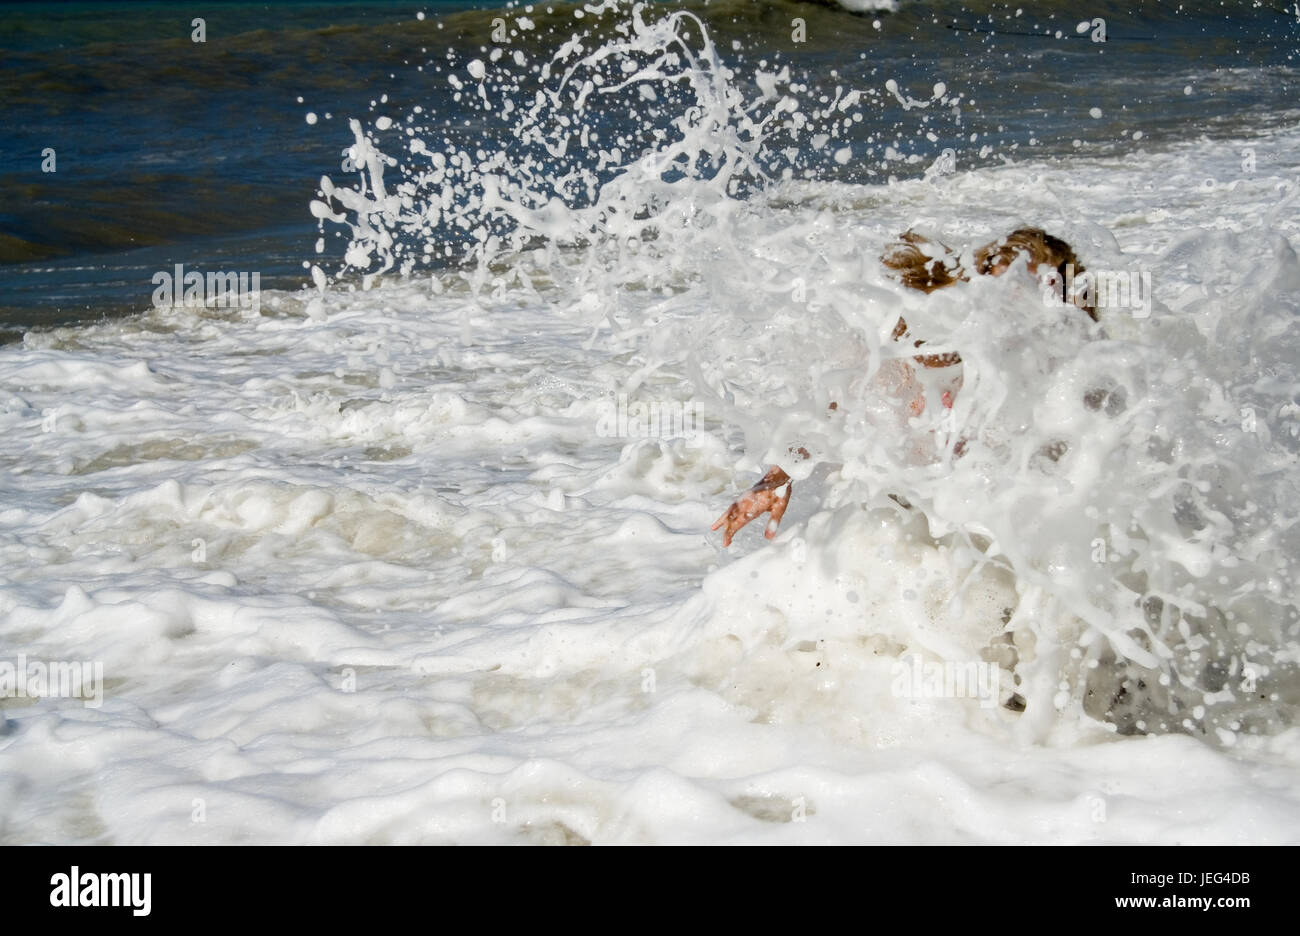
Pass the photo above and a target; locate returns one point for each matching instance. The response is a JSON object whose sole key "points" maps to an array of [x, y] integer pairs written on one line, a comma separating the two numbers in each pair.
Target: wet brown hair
{"points": [[926, 270], [1044, 250], [928, 265]]}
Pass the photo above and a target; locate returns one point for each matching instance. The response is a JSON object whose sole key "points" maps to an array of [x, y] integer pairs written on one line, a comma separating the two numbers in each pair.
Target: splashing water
{"points": [[1121, 498]]}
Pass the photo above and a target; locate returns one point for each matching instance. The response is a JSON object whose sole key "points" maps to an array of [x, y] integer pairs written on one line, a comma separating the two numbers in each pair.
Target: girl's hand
{"points": [[770, 494]]}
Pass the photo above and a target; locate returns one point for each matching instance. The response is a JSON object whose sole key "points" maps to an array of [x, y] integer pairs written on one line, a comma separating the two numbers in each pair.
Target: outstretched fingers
{"points": [[778, 510], [733, 521], [771, 494]]}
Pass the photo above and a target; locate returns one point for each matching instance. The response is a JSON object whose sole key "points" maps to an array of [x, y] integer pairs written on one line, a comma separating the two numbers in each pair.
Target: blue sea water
{"points": [[167, 150]]}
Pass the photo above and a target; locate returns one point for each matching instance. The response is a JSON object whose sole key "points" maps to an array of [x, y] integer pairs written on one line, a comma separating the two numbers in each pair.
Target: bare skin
{"points": [[771, 494]]}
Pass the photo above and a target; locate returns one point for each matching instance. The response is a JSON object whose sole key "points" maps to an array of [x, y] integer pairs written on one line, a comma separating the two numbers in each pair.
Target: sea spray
{"points": [[1106, 467]]}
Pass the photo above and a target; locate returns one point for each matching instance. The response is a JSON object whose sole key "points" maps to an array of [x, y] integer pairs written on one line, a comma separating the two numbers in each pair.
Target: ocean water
{"points": [[167, 150], [415, 547]]}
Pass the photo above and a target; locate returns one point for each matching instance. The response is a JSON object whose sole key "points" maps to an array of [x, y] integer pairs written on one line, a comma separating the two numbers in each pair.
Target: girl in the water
{"points": [[927, 265]]}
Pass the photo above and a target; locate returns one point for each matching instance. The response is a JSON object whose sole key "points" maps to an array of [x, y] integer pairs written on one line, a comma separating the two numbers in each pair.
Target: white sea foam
{"points": [[369, 571]]}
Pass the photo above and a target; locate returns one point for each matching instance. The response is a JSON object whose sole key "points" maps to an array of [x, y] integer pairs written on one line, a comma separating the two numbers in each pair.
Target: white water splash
{"points": [[1109, 475], [364, 567]]}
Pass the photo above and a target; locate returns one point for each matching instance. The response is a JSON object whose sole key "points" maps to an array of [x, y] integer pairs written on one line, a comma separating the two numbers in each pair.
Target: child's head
{"points": [[1044, 251], [922, 263], [928, 265]]}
